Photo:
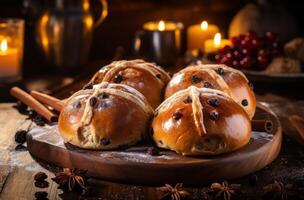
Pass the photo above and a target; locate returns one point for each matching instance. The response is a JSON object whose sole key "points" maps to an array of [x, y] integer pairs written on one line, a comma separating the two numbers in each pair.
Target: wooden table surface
{"points": [[17, 168]]}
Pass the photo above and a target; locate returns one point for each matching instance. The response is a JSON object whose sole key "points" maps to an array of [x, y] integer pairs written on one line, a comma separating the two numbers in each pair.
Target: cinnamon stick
{"points": [[48, 100], [32, 103], [262, 125]]}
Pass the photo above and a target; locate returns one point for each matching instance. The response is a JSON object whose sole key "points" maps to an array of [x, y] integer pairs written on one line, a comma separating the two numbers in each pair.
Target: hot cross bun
{"points": [[147, 78], [216, 76], [107, 116], [200, 121]]}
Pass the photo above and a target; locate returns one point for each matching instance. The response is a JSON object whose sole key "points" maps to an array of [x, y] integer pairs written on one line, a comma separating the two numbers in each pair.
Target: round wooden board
{"points": [[279, 78], [133, 166]]}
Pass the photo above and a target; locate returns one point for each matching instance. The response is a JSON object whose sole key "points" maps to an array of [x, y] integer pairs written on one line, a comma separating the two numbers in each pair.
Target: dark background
{"points": [[127, 16]]}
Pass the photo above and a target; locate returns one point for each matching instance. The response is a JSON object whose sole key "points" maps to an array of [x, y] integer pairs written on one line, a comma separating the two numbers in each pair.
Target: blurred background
{"points": [[114, 37], [127, 16]]}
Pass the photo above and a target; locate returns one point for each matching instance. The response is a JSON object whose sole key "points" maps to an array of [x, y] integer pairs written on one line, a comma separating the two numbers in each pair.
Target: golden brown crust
{"points": [[147, 78], [220, 77], [200, 121], [106, 117]]}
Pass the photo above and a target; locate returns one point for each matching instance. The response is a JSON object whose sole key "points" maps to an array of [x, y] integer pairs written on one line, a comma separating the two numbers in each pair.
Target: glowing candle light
{"points": [[204, 25], [217, 39], [9, 65], [11, 49], [161, 25], [198, 33], [213, 45], [3, 45]]}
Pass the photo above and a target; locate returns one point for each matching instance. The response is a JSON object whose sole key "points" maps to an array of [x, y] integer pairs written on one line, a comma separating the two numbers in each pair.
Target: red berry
{"points": [[235, 41], [271, 36], [251, 34], [244, 43], [263, 61], [246, 52], [218, 58], [246, 62], [228, 55], [225, 49], [237, 55], [226, 61], [263, 52], [235, 64], [255, 43]]}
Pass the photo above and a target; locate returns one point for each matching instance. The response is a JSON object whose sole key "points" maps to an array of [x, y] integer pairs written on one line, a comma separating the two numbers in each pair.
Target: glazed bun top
{"points": [[105, 117], [216, 76], [147, 78], [201, 121]]}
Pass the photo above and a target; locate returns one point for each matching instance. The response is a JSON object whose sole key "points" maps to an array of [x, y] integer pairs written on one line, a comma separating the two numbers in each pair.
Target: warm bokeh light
{"points": [[217, 39], [3, 45], [204, 25], [161, 25]]}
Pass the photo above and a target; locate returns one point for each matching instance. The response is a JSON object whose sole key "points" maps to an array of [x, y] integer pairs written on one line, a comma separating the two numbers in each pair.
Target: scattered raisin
{"points": [[77, 105], [158, 76], [214, 115], [244, 102], [188, 100], [41, 184], [54, 119], [41, 195], [32, 114], [93, 101], [103, 95], [20, 147], [20, 136], [213, 102], [22, 108], [40, 176], [207, 85], [118, 78], [152, 151], [195, 79], [105, 141], [39, 120], [220, 71], [177, 116]]}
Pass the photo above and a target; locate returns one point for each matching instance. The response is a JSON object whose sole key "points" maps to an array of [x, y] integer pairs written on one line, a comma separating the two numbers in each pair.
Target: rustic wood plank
{"points": [[7, 130], [17, 168]]}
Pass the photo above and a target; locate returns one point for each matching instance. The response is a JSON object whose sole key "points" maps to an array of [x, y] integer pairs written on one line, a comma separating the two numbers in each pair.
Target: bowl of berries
{"points": [[263, 57]]}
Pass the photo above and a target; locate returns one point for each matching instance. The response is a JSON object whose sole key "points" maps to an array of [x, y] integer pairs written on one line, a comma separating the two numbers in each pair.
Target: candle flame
{"points": [[217, 39], [161, 25], [204, 25], [3, 45]]}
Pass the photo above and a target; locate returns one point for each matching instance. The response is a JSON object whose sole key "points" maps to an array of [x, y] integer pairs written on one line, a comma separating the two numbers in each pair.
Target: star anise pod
{"points": [[279, 190], [70, 178], [174, 193], [225, 190]]}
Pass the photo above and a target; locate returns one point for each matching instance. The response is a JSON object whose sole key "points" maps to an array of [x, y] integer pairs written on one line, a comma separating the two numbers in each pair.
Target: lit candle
{"points": [[159, 41], [9, 60], [213, 45], [197, 35], [161, 26]]}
